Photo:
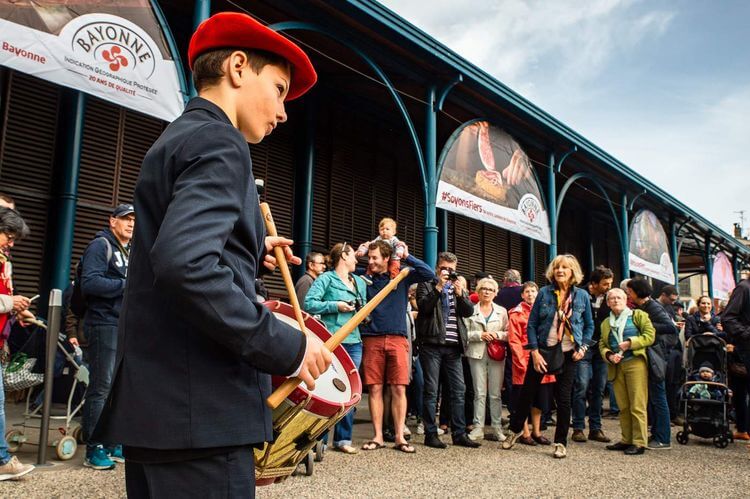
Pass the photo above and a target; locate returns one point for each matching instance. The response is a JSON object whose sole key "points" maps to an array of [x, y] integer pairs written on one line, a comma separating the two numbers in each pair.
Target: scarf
{"points": [[564, 311], [617, 324]]}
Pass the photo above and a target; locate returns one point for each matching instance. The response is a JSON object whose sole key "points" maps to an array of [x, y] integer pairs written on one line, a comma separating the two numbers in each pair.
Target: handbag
{"points": [[554, 358], [737, 368], [18, 376], [657, 363], [496, 350]]}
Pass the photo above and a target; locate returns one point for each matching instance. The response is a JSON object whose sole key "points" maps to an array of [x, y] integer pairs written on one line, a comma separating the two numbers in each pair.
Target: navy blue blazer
{"points": [[195, 348]]}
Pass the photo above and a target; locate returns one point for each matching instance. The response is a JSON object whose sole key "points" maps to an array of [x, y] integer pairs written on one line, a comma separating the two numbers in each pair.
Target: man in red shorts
{"points": [[385, 358]]}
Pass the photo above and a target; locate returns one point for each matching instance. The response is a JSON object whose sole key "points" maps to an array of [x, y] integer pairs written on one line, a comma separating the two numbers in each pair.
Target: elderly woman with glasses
{"points": [[559, 332], [335, 296], [488, 323], [625, 336]]}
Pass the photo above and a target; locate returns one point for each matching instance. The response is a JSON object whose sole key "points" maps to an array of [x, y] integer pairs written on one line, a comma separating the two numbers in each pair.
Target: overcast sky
{"points": [[664, 86]]}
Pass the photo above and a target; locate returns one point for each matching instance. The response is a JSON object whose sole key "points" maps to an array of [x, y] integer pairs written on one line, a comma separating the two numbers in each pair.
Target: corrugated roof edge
{"points": [[389, 19]]}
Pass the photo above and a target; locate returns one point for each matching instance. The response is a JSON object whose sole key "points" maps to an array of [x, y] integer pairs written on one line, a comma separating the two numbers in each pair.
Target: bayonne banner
{"points": [[113, 50], [723, 276], [649, 251], [485, 175]]}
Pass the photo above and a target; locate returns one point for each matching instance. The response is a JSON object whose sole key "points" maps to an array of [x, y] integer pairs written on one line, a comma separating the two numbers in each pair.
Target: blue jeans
{"points": [[431, 357], [4, 454], [415, 390], [659, 412], [590, 371], [102, 353], [342, 434]]}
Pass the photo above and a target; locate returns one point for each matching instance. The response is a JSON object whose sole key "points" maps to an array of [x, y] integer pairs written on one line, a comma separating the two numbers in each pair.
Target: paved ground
{"points": [[695, 470]]}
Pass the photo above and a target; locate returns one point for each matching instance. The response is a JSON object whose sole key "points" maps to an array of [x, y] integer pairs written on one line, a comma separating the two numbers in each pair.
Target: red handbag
{"points": [[496, 350]]}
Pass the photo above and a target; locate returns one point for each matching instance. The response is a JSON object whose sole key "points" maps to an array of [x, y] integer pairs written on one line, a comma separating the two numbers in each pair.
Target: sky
{"points": [[663, 86]]}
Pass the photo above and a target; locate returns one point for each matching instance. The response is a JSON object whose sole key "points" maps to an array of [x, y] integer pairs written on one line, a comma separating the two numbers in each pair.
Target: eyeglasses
{"points": [[491, 290], [10, 237], [319, 263]]}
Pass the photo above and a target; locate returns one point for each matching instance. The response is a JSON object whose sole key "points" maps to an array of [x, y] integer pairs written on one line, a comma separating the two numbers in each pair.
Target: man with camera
{"points": [[441, 335]]}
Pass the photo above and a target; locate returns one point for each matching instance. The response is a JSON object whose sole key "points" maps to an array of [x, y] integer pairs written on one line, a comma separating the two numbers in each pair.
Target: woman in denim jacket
{"points": [[561, 318]]}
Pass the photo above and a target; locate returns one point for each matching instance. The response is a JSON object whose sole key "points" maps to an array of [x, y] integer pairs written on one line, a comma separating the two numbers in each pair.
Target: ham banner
{"points": [[649, 251], [485, 175], [113, 50]]}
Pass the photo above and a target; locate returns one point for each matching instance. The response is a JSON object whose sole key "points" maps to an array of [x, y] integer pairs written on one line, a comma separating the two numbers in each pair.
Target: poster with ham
{"points": [[485, 175], [114, 50], [649, 250], [722, 276]]}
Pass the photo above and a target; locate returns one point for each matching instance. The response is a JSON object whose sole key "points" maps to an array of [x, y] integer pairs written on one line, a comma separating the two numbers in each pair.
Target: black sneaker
{"points": [[432, 440], [618, 446], [463, 441], [635, 450]]}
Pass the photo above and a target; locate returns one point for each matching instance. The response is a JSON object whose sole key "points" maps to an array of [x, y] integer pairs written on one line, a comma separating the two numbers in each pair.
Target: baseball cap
{"points": [[122, 210], [237, 30]]}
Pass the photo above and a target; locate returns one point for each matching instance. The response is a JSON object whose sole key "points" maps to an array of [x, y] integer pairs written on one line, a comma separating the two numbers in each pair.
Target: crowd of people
{"points": [[451, 358]]}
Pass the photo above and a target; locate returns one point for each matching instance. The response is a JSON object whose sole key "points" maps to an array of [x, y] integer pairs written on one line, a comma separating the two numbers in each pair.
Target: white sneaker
{"points": [[440, 431], [14, 469], [500, 435], [420, 428], [477, 433], [560, 451]]}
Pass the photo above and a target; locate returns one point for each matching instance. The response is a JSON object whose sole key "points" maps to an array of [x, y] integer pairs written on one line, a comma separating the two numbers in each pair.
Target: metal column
{"points": [[303, 188], [552, 206], [625, 239], [201, 12], [530, 270], [673, 250], [63, 205], [442, 219], [430, 162], [709, 263]]}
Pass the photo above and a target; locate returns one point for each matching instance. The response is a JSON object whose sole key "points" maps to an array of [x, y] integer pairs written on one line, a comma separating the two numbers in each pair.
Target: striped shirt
{"points": [[451, 323]]}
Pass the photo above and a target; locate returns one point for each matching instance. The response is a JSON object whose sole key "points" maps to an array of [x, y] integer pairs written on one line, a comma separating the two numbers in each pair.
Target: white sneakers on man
{"points": [[477, 433]]}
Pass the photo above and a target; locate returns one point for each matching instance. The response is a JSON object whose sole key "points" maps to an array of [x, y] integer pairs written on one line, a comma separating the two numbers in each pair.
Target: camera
{"points": [[453, 276], [357, 304]]}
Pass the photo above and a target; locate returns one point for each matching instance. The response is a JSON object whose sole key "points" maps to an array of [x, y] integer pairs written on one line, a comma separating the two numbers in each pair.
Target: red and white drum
{"points": [[306, 414]]}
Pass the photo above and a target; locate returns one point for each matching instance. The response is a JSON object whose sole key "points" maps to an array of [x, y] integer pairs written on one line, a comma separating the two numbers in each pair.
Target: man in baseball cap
{"points": [[196, 349]]}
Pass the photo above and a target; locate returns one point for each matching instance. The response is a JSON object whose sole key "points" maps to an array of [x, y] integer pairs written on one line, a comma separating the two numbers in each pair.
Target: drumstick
{"points": [[283, 266], [288, 386]]}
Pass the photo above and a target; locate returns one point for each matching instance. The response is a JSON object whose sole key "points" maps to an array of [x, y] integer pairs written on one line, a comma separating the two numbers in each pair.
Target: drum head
{"points": [[339, 387]]}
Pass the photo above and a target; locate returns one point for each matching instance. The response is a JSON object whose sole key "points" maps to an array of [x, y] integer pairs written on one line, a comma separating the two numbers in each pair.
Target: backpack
{"points": [[78, 303]]}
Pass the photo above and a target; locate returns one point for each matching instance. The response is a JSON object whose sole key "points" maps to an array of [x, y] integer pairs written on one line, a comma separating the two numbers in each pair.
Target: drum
{"points": [[306, 414]]}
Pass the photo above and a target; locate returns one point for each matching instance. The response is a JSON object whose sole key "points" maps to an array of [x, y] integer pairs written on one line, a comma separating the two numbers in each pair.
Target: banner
{"points": [[485, 175], [723, 276], [649, 251], [113, 50]]}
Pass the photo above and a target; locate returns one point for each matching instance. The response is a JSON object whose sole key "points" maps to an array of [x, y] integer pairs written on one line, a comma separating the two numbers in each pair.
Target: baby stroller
{"points": [[706, 417], [71, 380]]}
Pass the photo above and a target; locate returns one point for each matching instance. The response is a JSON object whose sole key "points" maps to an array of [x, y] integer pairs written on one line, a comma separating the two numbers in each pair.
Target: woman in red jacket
{"points": [[517, 339]]}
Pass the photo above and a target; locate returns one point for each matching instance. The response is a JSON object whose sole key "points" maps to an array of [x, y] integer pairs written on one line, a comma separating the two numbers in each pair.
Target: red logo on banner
{"points": [[114, 58]]}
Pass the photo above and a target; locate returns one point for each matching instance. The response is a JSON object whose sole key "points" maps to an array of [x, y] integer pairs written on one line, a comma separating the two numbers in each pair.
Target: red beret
{"points": [[236, 30]]}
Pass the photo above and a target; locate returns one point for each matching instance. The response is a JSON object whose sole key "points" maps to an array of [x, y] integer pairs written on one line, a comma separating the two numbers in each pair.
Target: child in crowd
{"points": [[387, 229], [702, 390]]}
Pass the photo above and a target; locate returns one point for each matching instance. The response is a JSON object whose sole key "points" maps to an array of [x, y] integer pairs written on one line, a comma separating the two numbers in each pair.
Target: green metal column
{"points": [[442, 219], [303, 185], [673, 250], [625, 239], [552, 206], [530, 270], [201, 12], [709, 263], [63, 204], [430, 157]]}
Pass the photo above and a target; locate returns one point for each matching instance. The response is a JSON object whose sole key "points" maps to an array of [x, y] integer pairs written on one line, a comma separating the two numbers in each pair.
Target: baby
{"points": [[703, 390], [387, 229]]}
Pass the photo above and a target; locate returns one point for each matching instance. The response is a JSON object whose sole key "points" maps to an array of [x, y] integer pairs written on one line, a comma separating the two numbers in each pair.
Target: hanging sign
{"points": [[485, 175], [112, 50], [723, 276], [649, 251]]}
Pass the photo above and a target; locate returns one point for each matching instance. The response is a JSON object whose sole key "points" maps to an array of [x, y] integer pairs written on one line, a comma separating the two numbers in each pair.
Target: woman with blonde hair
{"points": [[488, 323], [559, 331]]}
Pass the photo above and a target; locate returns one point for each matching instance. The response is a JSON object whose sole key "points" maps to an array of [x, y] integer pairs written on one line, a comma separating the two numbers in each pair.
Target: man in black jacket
{"points": [[736, 322], [639, 291], [591, 370], [441, 334], [195, 347], [104, 267]]}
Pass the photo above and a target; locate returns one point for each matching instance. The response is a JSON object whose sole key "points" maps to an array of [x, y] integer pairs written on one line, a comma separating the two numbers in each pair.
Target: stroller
{"points": [[71, 380], [706, 417]]}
